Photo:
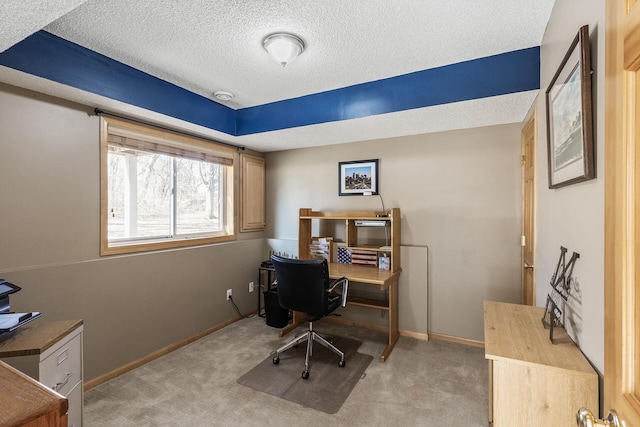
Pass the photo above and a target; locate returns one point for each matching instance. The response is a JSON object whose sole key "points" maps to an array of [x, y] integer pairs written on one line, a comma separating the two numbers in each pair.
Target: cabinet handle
{"points": [[63, 356], [57, 386]]}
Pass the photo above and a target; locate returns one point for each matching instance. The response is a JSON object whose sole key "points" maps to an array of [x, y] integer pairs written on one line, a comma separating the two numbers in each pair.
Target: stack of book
{"points": [[320, 247]]}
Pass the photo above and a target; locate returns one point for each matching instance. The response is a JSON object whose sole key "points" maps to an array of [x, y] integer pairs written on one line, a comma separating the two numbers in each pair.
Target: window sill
{"points": [[129, 247]]}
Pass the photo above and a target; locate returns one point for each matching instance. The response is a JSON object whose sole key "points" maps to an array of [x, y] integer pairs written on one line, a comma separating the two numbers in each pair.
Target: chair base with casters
{"points": [[310, 336], [304, 286]]}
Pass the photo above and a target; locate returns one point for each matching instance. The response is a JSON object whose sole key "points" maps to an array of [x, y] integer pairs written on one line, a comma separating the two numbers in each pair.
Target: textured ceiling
{"points": [[21, 18], [209, 45]]}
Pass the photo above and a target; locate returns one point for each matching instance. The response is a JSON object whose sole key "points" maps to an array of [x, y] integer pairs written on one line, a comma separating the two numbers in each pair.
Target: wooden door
{"points": [[528, 213], [622, 209]]}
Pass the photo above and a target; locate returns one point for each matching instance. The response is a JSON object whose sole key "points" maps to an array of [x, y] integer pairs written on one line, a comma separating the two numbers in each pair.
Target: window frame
{"points": [[115, 124]]}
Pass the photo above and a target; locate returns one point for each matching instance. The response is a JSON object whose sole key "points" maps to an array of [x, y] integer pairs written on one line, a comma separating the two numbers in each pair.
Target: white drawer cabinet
{"points": [[50, 352]]}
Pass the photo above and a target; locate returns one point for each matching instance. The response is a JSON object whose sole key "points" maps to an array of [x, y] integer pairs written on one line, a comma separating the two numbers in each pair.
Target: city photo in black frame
{"points": [[358, 178]]}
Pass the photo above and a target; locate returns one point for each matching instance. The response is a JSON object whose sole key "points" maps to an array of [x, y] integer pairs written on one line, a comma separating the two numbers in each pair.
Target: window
{"points": [[162, 190]]}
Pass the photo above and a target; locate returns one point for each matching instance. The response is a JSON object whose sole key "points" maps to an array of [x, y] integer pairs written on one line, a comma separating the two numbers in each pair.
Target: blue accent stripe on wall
{"points": [[501, 74], [53, 58]]}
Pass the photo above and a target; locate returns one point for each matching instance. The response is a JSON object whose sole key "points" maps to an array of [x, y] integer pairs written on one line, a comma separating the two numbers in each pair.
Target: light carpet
{"points": [[423, 383]]}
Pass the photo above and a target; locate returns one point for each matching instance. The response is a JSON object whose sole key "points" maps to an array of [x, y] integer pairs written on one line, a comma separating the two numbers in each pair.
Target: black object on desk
{"points": [[6, 289], [10, 321]]}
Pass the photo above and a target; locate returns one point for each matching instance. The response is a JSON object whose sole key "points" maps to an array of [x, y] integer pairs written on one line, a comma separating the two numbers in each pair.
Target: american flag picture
{"points": [[344, 255]]}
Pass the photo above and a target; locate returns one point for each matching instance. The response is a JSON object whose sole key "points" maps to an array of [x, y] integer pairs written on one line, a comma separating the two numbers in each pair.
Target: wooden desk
{"points": [[26, 402], [385, 280], [531, 381]]}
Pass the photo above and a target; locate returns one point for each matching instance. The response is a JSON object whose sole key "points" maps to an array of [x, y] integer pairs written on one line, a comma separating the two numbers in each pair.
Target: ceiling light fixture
{"points": [[283, 48], [222, 95]]}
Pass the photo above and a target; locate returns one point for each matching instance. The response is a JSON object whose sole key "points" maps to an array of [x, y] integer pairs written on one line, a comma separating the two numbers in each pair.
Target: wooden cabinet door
{"points": [[252, 185]]}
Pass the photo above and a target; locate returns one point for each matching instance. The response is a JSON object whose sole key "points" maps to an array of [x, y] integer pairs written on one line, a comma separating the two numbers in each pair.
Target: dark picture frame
{"points": [[570, 148], [358, 178]]}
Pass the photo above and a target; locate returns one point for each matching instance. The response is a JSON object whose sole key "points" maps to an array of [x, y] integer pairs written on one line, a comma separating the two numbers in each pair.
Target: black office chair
{"points": [[305, 286]]}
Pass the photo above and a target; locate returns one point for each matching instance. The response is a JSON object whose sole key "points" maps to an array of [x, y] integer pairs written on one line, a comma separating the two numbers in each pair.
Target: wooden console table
{"points": [[531, 381]]}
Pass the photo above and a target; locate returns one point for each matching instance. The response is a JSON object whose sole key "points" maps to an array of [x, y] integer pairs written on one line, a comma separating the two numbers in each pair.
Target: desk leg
{"points": [[298, 319], [264, 288], [259, 291], [393, 320]]}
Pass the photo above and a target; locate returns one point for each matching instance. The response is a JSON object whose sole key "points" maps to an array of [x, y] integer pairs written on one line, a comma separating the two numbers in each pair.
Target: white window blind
{"points": [[126, 134]]}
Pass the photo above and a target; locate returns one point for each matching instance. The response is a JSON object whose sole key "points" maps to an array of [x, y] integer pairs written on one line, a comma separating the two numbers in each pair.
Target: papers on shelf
{"points": [[320, 247]]}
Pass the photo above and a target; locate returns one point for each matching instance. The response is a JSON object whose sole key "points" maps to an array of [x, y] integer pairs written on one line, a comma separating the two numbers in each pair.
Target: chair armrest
{"points": [[345, 287]]}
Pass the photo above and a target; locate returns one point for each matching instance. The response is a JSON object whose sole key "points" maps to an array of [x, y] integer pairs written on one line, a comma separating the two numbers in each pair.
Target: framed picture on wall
{"points": [[358, 178], [570, 148]]}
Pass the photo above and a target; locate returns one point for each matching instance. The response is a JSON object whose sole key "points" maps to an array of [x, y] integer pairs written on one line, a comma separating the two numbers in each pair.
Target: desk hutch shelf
{"points": [[350, 219], [382, 280]]}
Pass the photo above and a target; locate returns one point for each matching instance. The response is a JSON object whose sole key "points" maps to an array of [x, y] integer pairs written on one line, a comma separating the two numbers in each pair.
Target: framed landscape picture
{"points": [[570, 148], [358, 178]]}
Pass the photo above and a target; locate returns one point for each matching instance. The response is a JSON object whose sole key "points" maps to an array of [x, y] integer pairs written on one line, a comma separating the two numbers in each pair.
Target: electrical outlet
{"points": [[228, 294], [251, 285]]}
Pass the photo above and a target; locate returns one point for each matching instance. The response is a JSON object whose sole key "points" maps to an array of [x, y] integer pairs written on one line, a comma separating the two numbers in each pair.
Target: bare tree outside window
{"points": [[169, 195]]}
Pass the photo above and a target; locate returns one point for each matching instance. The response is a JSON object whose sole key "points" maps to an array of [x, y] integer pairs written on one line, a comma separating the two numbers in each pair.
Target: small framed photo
{"points": [[358, 178], [570, 148]]}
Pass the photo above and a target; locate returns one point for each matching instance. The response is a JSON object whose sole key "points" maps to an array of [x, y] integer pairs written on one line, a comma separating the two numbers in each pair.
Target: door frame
{"points": [[622, 206], [528, 212]]}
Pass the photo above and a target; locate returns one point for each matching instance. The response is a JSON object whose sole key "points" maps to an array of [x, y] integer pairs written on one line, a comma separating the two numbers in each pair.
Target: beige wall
{"points": [[459, 195], [573, 216], [131, 305]]}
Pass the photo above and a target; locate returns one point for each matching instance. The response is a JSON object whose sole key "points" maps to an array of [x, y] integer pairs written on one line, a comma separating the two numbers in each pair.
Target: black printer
{"points": [[10, 321]]}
